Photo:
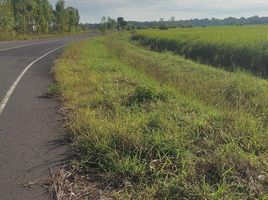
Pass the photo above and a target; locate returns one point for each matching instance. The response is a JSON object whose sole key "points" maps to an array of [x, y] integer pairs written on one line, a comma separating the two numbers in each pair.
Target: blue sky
{"points": [[149, 10]]}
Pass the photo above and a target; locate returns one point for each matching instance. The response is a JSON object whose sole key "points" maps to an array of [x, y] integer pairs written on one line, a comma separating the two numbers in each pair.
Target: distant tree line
{"points": [[172, 23], [37, 16], [109, 24]]}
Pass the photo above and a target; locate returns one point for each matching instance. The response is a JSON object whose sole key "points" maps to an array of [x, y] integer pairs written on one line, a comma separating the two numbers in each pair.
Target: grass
{"points": [[157, 126], [240, 47]]}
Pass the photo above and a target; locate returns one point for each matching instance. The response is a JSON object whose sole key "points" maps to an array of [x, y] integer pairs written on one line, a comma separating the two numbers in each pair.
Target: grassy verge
{"points": [[230, 47], [218, 88], [143, 121]]}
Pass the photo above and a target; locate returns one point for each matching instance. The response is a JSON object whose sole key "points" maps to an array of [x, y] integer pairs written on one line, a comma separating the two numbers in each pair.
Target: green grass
{"points": [[157, 126], [241, 47]]}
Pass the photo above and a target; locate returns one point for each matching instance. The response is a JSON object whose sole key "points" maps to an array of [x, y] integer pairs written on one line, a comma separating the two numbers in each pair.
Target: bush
{"points": [[163, 27]]}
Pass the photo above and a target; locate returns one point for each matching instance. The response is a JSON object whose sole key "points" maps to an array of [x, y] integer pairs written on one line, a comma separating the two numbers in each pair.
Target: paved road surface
{"points": [[30, 127]]}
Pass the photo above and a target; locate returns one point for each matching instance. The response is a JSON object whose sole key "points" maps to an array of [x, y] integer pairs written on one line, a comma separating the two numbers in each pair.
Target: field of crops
{"points": [[237, 47]]}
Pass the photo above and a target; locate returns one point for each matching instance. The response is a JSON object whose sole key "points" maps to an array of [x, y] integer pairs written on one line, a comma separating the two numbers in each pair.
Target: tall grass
{"points": [[233, 48], [240, 90], [149, 137]]}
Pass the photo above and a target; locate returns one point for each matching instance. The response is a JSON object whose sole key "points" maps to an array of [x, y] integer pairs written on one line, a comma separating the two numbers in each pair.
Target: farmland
{"points": [[237, 47], [155, 125]]}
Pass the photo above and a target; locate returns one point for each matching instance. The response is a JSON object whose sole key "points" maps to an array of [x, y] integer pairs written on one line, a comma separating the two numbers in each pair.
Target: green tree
{"points": [[7, 21], [111, 23], [107, 23], [103, 27], [32, 15], [60, 16], [162, 24], [72, 19], [77, 17], [25, 12], [37, 16], [121, 23], [20, 12], [44, 16]]}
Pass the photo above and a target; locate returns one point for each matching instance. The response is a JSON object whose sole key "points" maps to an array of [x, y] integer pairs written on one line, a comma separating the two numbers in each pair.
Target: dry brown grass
{"points": [[66, 184]]}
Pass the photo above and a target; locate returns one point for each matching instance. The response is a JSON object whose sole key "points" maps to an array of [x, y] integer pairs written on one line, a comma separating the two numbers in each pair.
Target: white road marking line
{"points": [[14, 85], [16, 47], [26, 45]]}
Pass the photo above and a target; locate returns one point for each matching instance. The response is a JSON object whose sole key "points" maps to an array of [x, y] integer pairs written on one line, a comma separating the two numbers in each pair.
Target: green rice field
{"points": [[236, 47]]}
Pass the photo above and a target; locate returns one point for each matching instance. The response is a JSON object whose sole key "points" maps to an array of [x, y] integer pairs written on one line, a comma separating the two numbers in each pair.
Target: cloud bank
{"points": [[149, 10]]}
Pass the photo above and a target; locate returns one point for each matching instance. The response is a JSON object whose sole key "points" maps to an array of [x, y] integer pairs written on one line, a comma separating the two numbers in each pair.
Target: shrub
{"points": [[163, 27]]}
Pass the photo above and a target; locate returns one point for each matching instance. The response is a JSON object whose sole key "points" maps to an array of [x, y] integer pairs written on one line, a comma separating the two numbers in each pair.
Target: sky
{"points": [[91, 11]]}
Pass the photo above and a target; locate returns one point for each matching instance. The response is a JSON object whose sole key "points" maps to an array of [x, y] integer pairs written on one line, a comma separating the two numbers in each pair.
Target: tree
{"points": [[162, 24], [37, 16], [111, 23], [103, 27], [44, 16], [107, 23], [171, 22], [20, 14], [60, 16], [72, 19], [121, 23], [7, 20], [163, 27], [172, 19], [77, 17]]}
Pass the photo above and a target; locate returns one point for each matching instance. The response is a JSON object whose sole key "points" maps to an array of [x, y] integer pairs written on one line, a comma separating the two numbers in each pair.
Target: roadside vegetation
{"points": [[36, 18], [157, 126], [240, 47]]}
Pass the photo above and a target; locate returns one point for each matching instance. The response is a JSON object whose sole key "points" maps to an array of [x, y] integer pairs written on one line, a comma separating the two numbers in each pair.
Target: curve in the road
{"points": [[14, 85], [30, 127]]}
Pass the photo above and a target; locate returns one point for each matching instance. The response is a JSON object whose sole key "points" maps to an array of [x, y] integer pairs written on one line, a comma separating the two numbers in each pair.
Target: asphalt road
{"points": [[30, 127]]}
